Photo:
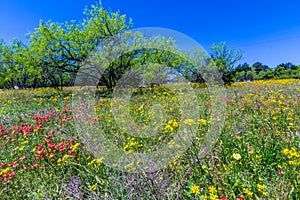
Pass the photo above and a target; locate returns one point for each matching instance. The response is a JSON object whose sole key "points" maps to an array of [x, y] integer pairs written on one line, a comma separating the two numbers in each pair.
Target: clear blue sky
{"points": [[267, 30]]}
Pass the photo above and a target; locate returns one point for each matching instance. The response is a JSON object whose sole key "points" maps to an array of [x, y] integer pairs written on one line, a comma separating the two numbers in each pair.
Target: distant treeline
{"points": [[259, 71]]}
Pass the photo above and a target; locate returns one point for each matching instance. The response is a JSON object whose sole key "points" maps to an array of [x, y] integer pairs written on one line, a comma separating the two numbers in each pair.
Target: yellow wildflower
{"points": [[202, 121], [93, 187], [195, 189], [236, 156], [4, 171], [74, 147], [212, 189], [248, 192], [189, 122]]}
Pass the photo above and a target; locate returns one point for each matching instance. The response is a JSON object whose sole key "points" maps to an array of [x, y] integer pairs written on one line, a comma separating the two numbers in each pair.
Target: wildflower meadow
{"points": [[94, 106], [255, 156]]}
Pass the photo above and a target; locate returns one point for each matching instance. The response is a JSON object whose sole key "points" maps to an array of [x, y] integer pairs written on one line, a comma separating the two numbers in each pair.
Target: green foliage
{"points": [[12, 64], [225, 59], [56, 50], [258, 71], [125, 54], [59, 49]]}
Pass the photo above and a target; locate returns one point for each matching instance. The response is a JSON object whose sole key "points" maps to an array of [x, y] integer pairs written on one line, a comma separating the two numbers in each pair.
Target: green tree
{"points": [[140, 59], [60, 48], [258, 67], [240, 72], [225, 59], [266, 75], [13, 71]]}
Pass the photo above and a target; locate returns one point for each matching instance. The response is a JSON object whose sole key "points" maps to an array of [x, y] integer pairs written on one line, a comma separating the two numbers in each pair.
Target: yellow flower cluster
{"points": [[247, 192], [75, 146], [293, 155], [64, 158], [173, 123], [291, 152], [96, 161], [261, 188], [213, 193], [132, 145], [268, 82]]}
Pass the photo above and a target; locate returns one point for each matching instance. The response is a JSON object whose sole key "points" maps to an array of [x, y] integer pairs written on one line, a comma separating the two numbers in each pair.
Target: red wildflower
{"points": [[11, 174], [51, 145], [61, 144], [46, 141], [3, 176], [72, 139], [13, 164], [132, 126], [39, 124], [16, 133], [34, 165], [49, 135], [40, 153], [223, 198], [39, 147], [3, 164], [22, 158]]}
